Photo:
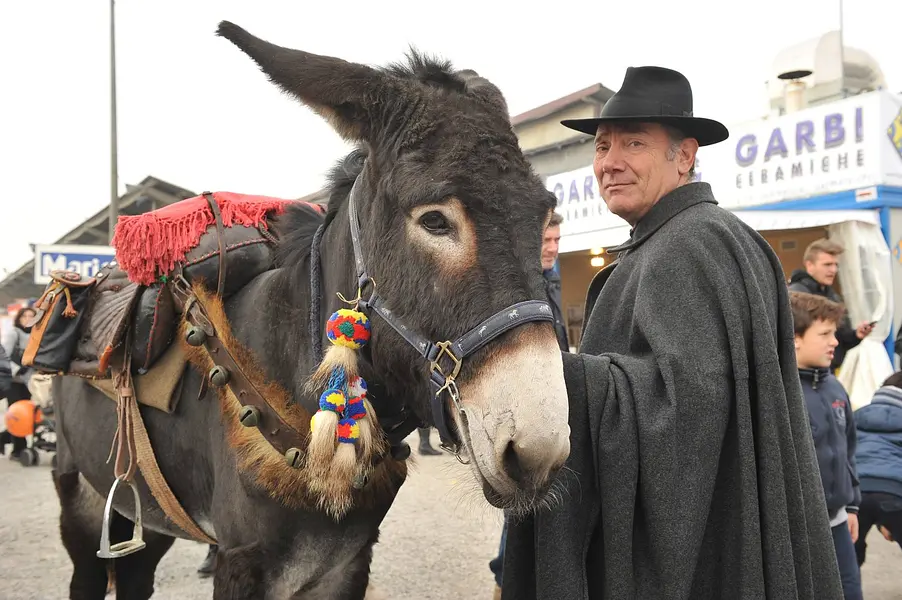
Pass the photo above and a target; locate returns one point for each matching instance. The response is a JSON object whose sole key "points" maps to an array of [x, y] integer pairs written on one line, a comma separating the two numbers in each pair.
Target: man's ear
{"points": [[686, 155], [347, 95]]}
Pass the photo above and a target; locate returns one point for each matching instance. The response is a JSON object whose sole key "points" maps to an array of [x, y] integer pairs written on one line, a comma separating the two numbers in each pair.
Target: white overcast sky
{"points": [[195, 111]]}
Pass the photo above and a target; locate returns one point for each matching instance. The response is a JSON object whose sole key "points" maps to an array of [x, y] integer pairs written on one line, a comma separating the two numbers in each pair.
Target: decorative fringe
{"points": [[344, 463], [367, 442], [343, 430], [151, 244], [323, 428], [336, 358]]}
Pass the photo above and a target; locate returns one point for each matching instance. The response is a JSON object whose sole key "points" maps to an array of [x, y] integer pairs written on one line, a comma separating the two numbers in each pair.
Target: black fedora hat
{"points": [[654, 95]]}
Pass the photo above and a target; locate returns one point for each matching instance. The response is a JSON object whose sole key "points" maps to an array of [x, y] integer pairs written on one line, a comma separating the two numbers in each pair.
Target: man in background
{"points": [[821, 264], [550, 247]]}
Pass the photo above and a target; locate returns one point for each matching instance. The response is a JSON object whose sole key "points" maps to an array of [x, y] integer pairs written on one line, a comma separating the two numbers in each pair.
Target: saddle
{"points": [[82, 322]]}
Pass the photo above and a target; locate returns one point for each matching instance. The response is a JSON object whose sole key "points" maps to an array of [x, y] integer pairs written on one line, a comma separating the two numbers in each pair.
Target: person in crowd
{"points": [[551, 242], [426, 448], [14, 342], [879, 460], [686, 477], [821, 261], [815, 319]]}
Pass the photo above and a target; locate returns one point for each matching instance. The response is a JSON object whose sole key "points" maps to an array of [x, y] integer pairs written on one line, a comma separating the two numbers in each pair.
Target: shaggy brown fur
{"points": [[312, 485]]}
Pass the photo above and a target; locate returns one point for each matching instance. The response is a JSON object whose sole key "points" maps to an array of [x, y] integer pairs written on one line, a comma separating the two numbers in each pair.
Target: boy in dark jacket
{"points": [[832, 425], [879, 458]]}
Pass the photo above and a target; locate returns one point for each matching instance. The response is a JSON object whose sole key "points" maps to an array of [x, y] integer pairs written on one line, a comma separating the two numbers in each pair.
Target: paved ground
{"points": [[436, 542]]}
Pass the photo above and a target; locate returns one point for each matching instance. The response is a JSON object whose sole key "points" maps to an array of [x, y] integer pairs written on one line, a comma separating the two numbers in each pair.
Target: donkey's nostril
{"points": [[511, 463]]}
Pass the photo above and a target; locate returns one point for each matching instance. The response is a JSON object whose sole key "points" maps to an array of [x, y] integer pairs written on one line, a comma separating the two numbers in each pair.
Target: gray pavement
{"points": [[435, 543]]}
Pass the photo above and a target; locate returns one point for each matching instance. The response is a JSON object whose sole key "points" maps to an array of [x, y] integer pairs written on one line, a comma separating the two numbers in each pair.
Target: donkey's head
{"points": [[451, 217]]}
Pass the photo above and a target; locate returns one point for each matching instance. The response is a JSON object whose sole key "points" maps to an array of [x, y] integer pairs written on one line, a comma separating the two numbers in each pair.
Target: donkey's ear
{"points": [[341, 92], [481, 87]]}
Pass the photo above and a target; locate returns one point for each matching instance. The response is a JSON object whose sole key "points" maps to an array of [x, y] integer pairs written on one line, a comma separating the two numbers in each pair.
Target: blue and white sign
{"points": [[828, 148], [86, 260]]}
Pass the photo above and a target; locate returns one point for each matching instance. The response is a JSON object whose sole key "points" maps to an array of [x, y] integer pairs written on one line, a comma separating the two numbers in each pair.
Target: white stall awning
{"points": [[759, 220], [772, 220]]}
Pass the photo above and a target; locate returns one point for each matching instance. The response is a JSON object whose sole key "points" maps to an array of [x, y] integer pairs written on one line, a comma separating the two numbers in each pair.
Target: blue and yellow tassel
{"points": [[342, 417]]}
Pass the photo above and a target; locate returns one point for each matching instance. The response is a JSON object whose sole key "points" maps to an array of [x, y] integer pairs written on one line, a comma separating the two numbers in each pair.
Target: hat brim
{"points": [[706, 131]]}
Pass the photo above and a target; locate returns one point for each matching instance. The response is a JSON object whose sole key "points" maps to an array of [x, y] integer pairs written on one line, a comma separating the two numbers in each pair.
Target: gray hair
{"points": [[676, 138]]}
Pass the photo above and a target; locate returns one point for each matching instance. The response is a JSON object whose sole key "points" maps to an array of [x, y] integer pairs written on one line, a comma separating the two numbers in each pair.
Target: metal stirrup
{"points": [[122, 548]]}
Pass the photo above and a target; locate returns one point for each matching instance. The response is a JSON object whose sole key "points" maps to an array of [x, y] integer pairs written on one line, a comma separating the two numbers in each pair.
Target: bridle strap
{"points": [[446, 357]]}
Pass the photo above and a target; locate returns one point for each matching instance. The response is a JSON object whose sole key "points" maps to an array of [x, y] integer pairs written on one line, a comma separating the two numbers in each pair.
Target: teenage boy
{"points": [[815, 319]]}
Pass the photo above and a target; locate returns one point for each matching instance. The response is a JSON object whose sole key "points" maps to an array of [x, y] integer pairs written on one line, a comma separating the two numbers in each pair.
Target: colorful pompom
{"points": [[348, 328], [357, 387], [333, 400], [348, 431], [355, 408]]}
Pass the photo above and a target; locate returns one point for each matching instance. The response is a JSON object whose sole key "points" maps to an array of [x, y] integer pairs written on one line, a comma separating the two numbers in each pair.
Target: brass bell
{"points": [[249, 416], [360, 481], [219, 376], [294, 458], [195, 336]]}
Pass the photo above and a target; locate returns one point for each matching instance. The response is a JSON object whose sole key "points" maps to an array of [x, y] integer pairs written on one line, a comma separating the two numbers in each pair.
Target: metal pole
{"points": [[842, 55], [114, 162]]}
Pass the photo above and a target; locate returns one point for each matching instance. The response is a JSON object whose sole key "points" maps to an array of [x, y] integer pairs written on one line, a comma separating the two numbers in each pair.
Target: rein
{"points": [[445, 358]]}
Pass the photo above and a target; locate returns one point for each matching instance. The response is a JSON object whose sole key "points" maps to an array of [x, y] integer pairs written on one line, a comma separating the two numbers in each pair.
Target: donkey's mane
{"points": [[429, 70]]}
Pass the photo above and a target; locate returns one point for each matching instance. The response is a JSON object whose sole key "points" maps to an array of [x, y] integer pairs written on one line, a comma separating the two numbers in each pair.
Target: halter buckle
{"points": [[444, 349]]}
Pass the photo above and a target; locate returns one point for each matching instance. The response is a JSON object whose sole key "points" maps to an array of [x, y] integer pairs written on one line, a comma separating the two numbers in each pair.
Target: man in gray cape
{"points": [[692, 472]]}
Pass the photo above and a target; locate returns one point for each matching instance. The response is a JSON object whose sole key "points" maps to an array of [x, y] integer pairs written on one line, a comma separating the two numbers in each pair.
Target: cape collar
{"points": [[669, 206]]}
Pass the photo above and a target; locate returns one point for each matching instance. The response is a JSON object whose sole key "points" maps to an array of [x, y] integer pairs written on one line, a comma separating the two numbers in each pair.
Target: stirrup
{"points": [[122, 548]]}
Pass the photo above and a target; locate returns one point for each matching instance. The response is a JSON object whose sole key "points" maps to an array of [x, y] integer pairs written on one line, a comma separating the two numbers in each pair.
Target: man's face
{"points": [[636, 164], [815, 348], [823, 268], [550, 244]]}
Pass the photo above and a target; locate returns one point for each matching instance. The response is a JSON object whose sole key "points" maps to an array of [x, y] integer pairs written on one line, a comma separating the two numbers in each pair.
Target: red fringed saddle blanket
{"points": [[151, 244]]}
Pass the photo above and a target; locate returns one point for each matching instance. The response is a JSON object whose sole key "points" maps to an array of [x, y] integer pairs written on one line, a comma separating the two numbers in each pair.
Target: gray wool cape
{"points": [[692, 472]]}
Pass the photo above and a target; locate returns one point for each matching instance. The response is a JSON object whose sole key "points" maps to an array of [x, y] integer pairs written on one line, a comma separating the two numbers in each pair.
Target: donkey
{"points": [[446, 215]]}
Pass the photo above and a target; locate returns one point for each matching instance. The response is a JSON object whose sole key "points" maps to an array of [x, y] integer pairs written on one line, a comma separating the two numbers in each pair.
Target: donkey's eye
{"points": [[434, 222]]}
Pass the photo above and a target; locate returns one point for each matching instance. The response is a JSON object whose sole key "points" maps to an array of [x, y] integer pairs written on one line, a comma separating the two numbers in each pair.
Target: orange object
{"points": [[22, 417]]}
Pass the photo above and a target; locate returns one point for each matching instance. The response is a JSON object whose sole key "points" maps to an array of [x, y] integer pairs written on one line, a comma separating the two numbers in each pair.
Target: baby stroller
{"points": [[28, 418]]}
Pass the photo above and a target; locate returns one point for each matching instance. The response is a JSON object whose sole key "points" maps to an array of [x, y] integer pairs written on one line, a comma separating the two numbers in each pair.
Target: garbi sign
{"points": [[830, 148]]}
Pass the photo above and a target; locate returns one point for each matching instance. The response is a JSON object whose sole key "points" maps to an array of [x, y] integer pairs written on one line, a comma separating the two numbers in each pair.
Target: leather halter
{"points": [[445, 357]]}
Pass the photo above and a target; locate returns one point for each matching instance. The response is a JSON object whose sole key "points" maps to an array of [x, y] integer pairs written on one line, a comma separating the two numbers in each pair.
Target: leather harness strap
{"points": [[131, 441], [280, 435], [214, 206], [160, 489]]}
